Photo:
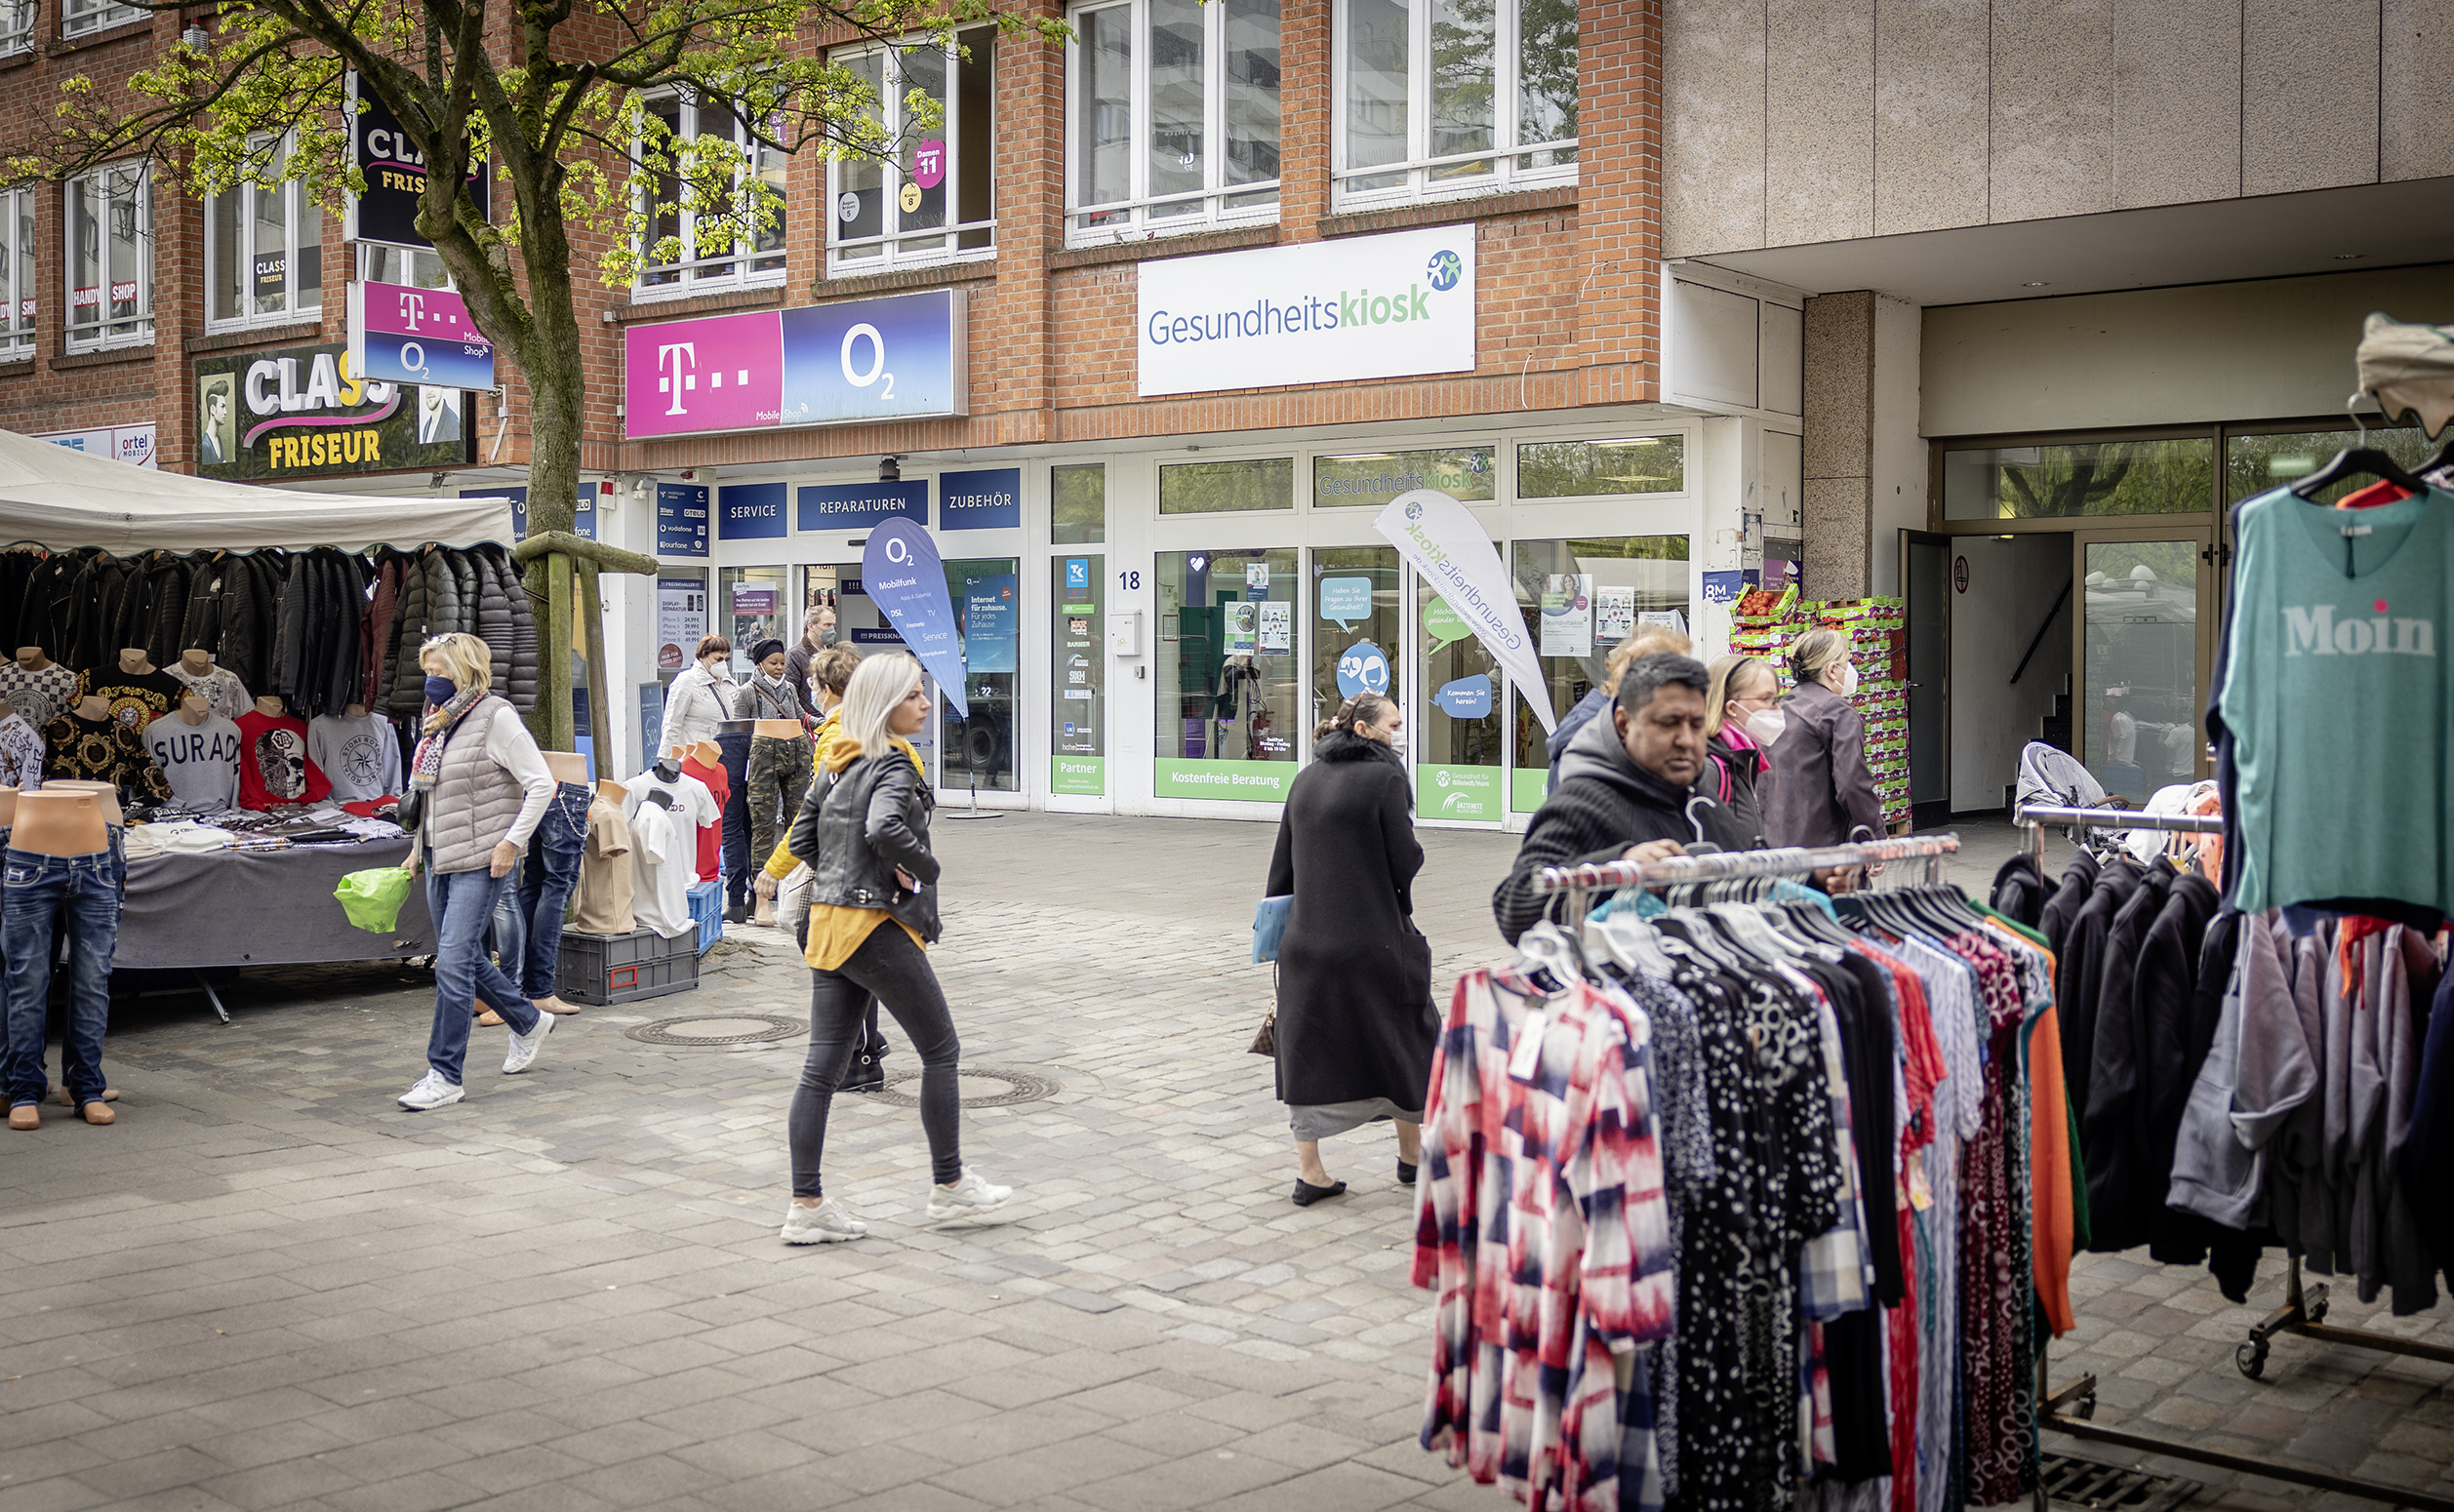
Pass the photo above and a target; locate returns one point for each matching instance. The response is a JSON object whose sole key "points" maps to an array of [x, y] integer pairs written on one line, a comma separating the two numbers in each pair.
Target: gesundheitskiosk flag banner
{"points": [[1448, 547], [902, 573]]}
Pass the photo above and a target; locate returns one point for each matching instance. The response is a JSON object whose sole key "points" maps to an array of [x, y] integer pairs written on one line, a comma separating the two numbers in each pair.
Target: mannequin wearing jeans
{"points": [[61, 867], [529, 925]]}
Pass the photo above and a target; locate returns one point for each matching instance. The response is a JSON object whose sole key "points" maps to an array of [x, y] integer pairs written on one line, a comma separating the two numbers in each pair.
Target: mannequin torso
{"points": [[566, 767], [777, 729], [60, 820]]}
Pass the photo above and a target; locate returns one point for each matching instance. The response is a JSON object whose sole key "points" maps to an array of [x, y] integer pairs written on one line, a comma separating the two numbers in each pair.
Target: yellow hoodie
{"points": [[837, 930]]}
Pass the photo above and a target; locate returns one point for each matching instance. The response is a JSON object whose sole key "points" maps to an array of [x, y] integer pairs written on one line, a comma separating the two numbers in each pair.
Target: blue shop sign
{"points": [[681, 519], [751, 511], [856, 506], [583, 525], [987, 500]]}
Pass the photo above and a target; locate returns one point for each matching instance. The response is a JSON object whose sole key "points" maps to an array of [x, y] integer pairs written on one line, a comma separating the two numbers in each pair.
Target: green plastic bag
{"points": [[372, 899]]}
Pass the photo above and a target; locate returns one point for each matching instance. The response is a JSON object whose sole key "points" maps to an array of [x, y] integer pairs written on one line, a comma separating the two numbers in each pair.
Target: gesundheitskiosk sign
{"points": [[900, 571], [1452, 552], [1320, 312]]}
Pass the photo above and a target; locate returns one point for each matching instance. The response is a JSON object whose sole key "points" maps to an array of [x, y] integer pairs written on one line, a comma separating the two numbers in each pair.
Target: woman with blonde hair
{"points": [[1742, 717], [864, 828], [479, 786], [1821, 791]]}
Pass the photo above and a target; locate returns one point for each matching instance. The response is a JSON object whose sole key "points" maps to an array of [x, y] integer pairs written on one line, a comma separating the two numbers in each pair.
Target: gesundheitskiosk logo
{"points": [[1414, 511], [1443, 271]]}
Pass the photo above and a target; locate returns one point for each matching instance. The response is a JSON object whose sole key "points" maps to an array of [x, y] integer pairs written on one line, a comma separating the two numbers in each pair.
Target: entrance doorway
{"points": [[2141, 643]]}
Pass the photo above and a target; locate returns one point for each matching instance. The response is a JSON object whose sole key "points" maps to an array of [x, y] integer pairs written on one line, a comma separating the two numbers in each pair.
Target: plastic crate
{"points": [[601, 970], [707, 910]]}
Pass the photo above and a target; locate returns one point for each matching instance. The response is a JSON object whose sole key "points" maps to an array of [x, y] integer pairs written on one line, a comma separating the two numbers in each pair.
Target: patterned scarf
{"points": [[427, 768]]}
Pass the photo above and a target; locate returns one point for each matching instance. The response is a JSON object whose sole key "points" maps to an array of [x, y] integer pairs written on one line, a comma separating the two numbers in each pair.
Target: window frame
{"points": [[89, 18], [100, 336], [741, 266], [1135, 223], [17, 27], [1418, 164], [19, 301], [890, 105], [297, 206]]}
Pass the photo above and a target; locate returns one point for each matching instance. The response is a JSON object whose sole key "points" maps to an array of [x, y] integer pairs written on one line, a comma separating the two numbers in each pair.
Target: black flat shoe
{"points": [[737, 914], [1307, 1194], [1405, 1174], [866, 1076]]}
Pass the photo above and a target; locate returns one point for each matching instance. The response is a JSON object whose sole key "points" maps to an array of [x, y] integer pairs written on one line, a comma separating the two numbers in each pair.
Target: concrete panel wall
{"points": [[2266, 349], [1789, 122], [1839, 442]]}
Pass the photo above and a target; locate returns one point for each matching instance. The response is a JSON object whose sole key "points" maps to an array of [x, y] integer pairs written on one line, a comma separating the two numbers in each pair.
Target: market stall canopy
{"points": [[2409, 368], [61, 499]]}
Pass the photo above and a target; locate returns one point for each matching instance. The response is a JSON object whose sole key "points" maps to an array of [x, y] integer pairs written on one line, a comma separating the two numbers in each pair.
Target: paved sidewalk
{"points": [[268, 1287]]}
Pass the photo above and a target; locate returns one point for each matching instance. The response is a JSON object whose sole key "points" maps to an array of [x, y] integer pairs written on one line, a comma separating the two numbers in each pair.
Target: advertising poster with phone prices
{"points": [[681, 621]]}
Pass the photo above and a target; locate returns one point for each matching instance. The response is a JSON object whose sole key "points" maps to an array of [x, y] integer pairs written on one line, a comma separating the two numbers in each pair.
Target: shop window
{"points": [[675, 258], [2173, 476], [889, 206], [1356, 616], [1360, 480], [16, 276], [1583, 469], [977, 752], [1173, 117], [1078, 504], [1442, 98], [410, 267], [1580, 599], [111, 258], [17, 27], [84, 17], [1077, 675], [263, 246], [750, 607], [1223, 488], [2254, 464], [1458, 732], [1231, 719]]}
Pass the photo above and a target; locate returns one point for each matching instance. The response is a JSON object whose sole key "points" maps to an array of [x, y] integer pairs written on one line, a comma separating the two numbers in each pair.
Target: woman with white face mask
{"points": [[1821, 791], [1741, 721], [701, 700]]}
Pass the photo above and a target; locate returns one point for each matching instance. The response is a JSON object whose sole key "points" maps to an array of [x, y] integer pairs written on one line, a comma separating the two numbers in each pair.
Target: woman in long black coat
{"points": [[1355, 1026]]}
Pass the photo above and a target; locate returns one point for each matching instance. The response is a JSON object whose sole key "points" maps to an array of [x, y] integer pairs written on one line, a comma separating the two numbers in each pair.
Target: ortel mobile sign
{"points": [[1322, 312], [896, 358]]}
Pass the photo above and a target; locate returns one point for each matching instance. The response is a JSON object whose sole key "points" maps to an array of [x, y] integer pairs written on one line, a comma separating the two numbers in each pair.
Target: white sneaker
{"points": [[826, 1223], [524, 1047], [966, 1195], [432, 1092]]}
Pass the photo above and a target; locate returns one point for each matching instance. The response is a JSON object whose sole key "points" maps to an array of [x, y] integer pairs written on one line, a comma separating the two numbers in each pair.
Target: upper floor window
{"points": [[83, 18], [17, 27], [930, 194], [1171, 118], [1438, 98], [17, 274], [263, 247], [675, 258], [410, 267], [110, 257]]}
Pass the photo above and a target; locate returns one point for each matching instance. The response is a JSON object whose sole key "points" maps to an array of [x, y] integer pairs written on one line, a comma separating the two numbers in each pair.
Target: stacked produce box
{"points": [[1766, 624]]}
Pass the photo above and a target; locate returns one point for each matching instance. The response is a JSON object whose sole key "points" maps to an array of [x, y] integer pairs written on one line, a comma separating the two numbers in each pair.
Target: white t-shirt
{"points": [[664, 848], [360, 756], [200, 761], [20, 754]]}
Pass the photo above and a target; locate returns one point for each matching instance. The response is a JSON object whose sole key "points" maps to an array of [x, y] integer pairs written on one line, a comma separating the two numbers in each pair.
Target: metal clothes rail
{"points": [[2070, 1409], [1723, 866]]}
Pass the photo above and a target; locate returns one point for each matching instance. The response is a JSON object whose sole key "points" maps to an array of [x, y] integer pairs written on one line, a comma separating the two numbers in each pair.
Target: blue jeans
{"points": [[41, 890], [547, 876], [461, 904]]}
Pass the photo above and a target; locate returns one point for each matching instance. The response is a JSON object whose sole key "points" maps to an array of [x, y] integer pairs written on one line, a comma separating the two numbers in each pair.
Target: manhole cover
{"points": [[2084, 1482], [715, 1029], [982, 1087]]}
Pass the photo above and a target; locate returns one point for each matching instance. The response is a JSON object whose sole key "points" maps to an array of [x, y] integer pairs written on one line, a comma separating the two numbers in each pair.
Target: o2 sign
{"points": [[902, 357]]}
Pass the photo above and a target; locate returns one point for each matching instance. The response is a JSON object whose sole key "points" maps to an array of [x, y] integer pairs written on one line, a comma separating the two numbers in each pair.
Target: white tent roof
{"points": [[60, 499]]}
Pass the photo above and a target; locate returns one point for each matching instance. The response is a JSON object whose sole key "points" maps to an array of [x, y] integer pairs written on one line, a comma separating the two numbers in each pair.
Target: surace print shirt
{"points": [[200, 762]]}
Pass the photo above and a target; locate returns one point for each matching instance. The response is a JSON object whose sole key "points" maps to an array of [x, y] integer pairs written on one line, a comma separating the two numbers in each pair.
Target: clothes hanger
{"points": [[2351, 462]]}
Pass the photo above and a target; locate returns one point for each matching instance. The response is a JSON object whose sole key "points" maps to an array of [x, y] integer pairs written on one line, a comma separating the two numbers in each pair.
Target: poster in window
{"points": [[1614, 613], [1568, 615], [272, 277], [1278, 625]]}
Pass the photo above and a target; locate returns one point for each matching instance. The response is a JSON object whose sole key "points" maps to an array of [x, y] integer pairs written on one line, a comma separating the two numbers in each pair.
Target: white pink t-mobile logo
{"points": [[672, 360]]}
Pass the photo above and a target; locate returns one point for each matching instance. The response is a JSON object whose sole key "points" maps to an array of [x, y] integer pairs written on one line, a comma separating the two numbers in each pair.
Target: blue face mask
{"points": [[440, 690]]}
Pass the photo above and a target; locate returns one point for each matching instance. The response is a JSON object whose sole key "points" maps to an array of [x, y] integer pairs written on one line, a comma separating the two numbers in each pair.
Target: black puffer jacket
{"points": [[463, 603], [526, 663], [494, 618], [856, 827], [404, 687]]}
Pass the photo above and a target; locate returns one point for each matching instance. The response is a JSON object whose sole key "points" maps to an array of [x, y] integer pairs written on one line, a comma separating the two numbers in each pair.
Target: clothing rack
{"points": [[1724, 865], [2304, 1310]]}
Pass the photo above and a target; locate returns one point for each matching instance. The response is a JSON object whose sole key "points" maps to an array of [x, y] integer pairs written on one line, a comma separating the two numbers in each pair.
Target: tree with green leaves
{"points": [[553, 99]]}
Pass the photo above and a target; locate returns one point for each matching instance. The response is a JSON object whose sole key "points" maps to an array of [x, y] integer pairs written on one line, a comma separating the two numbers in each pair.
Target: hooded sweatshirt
{"points": [[1603, 803], [2258, 1072]]}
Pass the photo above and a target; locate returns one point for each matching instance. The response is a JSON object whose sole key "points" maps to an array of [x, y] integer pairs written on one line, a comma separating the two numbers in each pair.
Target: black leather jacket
{"points": [[857, 826]]}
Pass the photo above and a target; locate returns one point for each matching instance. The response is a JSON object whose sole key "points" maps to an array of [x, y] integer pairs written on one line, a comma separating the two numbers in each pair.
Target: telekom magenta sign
{"points": [[898, 358]]}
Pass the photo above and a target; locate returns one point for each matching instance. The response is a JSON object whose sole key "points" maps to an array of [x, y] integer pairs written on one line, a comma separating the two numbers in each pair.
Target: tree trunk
{"points": [[550, 363]]}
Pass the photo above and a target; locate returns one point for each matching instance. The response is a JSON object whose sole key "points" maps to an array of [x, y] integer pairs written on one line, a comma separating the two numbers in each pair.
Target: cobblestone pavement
{"points": [[268, 1287]]}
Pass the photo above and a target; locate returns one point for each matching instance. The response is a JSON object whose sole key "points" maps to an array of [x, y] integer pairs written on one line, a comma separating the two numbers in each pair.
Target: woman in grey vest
{"points": [[482, 787]]}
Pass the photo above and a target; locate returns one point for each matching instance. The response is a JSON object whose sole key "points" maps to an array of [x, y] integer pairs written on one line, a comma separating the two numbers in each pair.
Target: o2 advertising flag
{"points": [[905, 579]]}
